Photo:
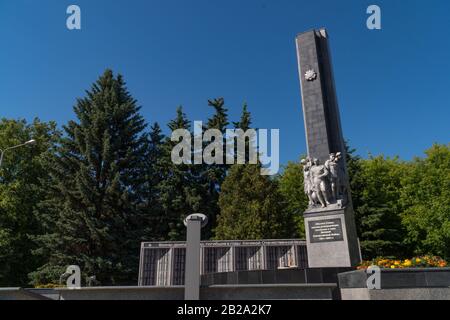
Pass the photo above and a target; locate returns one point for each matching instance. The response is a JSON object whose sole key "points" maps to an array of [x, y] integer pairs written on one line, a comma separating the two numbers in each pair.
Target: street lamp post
{"points": [[2, 152], [194, 223]]}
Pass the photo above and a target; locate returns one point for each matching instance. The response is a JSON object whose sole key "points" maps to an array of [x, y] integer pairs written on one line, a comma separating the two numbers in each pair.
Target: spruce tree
{"points": [[190, 188], [220, 118], [178, 188], [150, 193], [251, 207], [91, 212], [245, 121], [244, 124], [211, 176]]}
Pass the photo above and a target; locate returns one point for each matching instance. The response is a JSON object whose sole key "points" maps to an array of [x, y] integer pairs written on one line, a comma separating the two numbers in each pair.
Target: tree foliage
{"points": [[377, 206], [425, 197], [91, 213], [177, 191], [291, 188], [22, 180], [91, 194], [251, 207]]}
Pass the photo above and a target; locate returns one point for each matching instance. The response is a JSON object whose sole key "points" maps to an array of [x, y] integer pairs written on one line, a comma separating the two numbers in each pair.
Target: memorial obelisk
{"points": [[329, 220]]}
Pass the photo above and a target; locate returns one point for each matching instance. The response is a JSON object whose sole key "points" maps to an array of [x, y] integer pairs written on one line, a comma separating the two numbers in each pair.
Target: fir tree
{"points": [[246, 119], [211, 176], [150, 193], [177, 190], [91, 212], [244, 124], [220, 118], [251, 207]]}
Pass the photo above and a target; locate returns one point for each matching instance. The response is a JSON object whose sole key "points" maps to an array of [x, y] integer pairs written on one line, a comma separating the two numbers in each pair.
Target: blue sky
{"points": [[393, 85]]}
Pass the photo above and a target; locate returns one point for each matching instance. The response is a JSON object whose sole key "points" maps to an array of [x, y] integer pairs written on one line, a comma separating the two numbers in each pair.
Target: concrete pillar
{"points": [[194, 224]]}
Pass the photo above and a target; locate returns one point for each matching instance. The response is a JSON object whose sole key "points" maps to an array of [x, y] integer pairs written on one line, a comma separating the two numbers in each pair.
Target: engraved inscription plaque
{"points": [[329, 230]]}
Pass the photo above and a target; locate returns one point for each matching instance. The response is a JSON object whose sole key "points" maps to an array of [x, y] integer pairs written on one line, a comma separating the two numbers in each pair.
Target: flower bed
{"points": [[49, 286], [417, 262]]}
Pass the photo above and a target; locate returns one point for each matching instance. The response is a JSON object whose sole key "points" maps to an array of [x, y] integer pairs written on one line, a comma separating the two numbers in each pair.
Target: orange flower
{"points": [[427, 261]]}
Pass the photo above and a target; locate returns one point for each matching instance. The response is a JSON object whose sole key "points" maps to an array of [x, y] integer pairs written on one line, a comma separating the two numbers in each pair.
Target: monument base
{"points": [[331, 238]]}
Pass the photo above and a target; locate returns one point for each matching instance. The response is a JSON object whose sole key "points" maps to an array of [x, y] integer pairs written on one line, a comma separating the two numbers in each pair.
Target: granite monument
{"points": [[329, 220]]}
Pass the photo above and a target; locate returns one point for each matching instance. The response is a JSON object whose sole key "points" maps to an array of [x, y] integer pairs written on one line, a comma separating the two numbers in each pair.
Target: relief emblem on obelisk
{"points": [[310, 75]]}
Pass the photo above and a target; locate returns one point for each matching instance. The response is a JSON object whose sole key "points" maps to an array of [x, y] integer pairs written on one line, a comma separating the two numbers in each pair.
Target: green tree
{"points": [[179, 191], [22, 177], [91, 212], [188, 188], [354, 170], [150, 194], [425, 197], [291, 187], [244, 124], [245, 121], [211, 176], [377, 207], [251, 207]]}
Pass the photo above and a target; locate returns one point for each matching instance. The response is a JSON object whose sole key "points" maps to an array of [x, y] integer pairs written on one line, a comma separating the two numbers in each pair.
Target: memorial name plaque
{"points": [[325, 231]]}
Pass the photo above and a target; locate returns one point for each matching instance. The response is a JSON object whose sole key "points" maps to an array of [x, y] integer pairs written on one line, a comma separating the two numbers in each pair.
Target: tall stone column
{"points": [[329, 220]]}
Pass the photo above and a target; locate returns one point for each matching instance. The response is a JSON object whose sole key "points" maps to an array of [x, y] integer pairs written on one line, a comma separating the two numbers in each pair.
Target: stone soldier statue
{"points": [[332, 166], [308, 186], [320, 182]]}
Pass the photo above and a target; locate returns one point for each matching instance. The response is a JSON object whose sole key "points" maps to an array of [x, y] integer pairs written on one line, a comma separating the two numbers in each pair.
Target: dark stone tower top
{"points": [[320, 107]]}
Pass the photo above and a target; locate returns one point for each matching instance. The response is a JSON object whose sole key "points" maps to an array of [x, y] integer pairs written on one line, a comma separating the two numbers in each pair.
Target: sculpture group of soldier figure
{"points": [[325, 184]]}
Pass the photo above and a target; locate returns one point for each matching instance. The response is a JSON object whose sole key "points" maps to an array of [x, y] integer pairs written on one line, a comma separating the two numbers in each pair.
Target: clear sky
{"points": [[393, 84]]}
